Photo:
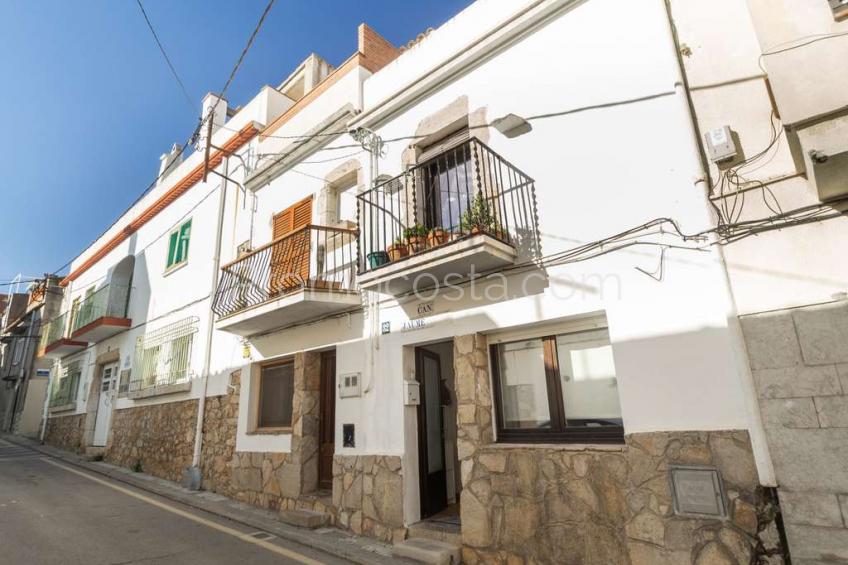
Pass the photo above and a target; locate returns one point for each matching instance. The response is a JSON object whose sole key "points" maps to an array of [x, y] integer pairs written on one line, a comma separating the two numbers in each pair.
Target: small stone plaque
{"points": [[697, 491]]}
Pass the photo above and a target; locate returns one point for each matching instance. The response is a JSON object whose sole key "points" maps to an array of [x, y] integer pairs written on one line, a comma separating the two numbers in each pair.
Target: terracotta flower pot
{"points": [[417, 243], [437, 237], [397, 251]]}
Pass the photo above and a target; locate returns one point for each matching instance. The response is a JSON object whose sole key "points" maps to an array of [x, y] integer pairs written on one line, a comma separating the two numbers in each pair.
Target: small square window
{"points": [[276, 395]]}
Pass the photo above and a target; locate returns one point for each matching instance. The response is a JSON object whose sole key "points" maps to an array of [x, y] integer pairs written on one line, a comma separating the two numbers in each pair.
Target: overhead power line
{"points": [[197, 129], [165, 55]]}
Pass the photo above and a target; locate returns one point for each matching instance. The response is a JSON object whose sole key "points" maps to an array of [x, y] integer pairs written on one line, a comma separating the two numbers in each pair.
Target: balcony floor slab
{"points": [[101, 328], [477, 254], [301, 305], [62, 348]]}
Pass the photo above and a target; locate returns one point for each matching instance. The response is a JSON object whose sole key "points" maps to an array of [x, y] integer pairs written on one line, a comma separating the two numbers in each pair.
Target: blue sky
{"points": [[87, 103]]}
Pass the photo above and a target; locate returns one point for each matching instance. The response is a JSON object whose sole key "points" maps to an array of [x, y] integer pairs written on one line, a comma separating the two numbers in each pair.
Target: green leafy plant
{"points": [[416, 230], [478, 216]]}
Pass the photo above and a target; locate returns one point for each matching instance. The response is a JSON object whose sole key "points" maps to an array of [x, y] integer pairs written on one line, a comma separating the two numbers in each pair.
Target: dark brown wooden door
{"points": [[327, 412], [431, 434]]}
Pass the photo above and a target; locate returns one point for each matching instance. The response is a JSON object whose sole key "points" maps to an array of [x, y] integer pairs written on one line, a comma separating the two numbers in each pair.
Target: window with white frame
{"points": [[178, 245], [66, 386], [557, 387], [163, 356]]}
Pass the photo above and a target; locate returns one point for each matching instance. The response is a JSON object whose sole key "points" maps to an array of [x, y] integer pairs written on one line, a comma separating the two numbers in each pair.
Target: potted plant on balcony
{"points": [[377, 258], [416, 237], [478, 217], [398, 249], [437, 236]]}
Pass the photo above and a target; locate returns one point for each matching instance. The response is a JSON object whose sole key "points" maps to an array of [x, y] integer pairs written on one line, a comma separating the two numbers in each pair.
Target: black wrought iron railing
{"points": [[465, 191], [317, 257]]}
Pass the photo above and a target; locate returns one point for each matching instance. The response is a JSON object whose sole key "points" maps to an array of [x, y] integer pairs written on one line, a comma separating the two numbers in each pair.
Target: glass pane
{"points": [[449, 190], [433, 407], [172, 248], [587, 374], [524, 393], [276, 395]]}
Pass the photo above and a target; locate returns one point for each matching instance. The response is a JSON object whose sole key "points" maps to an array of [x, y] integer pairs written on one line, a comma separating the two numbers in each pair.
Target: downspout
{"points": [[759, 445], [194, 477], [45, 411]]}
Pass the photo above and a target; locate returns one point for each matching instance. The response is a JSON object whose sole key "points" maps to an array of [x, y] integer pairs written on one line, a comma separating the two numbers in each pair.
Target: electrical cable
{"points": [[194, 134], [165, 55]]}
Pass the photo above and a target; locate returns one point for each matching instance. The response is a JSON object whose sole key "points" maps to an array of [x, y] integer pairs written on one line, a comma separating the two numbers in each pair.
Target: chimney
{"points": [[217, 120], [169, 161]]}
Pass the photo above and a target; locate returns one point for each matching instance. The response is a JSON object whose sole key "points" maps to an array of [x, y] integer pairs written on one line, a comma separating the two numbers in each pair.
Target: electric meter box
{"points": [[720, 144]]}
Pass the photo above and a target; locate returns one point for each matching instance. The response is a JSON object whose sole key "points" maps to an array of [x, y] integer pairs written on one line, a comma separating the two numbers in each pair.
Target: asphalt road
{"points": [[53, 512]]}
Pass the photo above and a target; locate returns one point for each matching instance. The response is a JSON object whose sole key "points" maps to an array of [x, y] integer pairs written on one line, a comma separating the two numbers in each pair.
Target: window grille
{"points": [[163, 356]]}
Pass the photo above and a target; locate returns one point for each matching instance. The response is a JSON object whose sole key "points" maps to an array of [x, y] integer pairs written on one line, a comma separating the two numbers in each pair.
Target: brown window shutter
{"points": [[283, 223], [290, 257]]}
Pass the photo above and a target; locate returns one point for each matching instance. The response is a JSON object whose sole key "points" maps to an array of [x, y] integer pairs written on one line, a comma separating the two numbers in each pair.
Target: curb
{"points": [[333, 541]]}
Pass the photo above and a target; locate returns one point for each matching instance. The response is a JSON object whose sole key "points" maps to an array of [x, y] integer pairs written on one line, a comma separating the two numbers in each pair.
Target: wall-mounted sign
{"points": [[42, 372], [413, 325], [425, 308], [386, 327]]}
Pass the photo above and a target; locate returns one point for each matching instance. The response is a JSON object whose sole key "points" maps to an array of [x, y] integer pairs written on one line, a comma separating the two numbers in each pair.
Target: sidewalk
{"points": [[357, 549]]}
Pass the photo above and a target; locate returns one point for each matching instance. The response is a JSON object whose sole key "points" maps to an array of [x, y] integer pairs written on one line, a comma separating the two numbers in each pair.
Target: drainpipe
{"points": [[762, 455], [45, 411], [193, 478]]}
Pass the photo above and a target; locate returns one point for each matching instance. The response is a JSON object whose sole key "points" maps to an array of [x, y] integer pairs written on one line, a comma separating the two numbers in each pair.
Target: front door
{"points": [[108, 384], [327, 428], [431, 434]]}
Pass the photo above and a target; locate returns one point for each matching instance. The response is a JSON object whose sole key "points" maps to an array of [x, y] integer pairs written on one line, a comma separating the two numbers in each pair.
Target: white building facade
{"points": [[471, 287]]}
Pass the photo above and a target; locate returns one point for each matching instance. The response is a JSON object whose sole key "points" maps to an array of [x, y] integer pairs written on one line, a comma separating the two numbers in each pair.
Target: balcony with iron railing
{"points": [[303, 275], [102, 314], [54, 341], [463, 212]]}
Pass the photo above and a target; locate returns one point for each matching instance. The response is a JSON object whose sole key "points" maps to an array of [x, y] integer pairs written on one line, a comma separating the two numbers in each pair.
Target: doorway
{"points": [[103, 419], [438, 463], [327, 420]]}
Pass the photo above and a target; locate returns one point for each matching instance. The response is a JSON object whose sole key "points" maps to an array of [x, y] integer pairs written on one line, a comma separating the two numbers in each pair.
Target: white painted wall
{"points": [[789, 267]]}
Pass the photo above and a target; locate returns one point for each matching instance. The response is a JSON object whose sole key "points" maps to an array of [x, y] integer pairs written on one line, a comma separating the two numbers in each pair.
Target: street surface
{"points": [[54, 512]]}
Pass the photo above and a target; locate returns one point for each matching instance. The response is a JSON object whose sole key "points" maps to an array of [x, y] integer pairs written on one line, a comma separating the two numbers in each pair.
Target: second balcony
{"points": [[102, 314], [304, 275]]}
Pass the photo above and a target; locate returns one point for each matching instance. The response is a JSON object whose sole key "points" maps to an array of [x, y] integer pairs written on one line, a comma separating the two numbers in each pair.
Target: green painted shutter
{"points": [[185, 234], [172, 248]]}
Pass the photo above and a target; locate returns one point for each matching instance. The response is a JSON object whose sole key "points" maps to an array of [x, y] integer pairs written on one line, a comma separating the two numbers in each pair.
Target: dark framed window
{"points": [[276, 395], [447, 171], [557, 388]]}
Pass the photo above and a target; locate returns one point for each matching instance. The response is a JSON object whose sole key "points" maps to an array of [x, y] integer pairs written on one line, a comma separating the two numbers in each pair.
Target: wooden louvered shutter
{"points": [[290, 254]]}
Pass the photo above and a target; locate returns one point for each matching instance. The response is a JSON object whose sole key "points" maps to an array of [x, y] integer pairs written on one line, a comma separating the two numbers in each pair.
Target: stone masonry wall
{"points": [[273, 480], [799, 358], [157, 439], [598, 504], [65, 432], [368, 495]]}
